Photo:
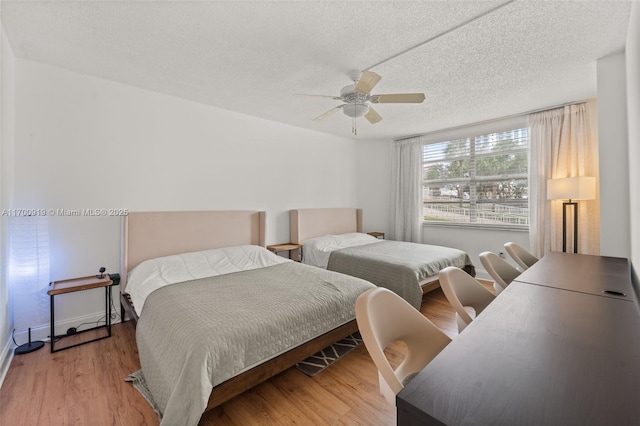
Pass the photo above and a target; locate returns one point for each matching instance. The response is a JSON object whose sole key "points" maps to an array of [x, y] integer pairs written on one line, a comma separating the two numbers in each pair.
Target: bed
{"points": [[204, 340], [332, 238]]}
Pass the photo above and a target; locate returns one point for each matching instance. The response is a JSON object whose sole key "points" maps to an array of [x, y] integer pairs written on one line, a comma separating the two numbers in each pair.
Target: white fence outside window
{"points": [[480, 179]]}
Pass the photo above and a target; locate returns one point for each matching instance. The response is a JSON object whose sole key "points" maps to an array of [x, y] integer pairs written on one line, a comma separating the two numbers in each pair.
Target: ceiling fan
{"points": [[357, 98]]}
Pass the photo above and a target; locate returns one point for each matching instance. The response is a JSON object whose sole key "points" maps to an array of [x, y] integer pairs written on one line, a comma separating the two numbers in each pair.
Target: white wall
{"points": [[474, 241], [6, 142], [83, 142], [613, 157], [633, 100], [374, 184]]}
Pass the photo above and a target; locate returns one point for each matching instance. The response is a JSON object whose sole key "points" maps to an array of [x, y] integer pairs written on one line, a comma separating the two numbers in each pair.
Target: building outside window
{"points": [[479, 180]]}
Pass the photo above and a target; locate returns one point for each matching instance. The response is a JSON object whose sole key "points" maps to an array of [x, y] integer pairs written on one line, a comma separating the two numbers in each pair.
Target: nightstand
{"points": [[286, 247], [377, 234], [80, 284]]}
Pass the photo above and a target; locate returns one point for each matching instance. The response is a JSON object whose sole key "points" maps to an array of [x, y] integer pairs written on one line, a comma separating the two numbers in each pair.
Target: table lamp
{"points": [[572, 189]]}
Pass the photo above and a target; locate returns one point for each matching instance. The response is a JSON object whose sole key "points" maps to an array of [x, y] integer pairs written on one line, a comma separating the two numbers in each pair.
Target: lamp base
{"points": [[574, 206], [28, 347]]}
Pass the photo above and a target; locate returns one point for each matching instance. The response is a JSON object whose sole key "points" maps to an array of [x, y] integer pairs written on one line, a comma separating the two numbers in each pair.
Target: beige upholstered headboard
{"points": [[146, 235], [309, 223]]}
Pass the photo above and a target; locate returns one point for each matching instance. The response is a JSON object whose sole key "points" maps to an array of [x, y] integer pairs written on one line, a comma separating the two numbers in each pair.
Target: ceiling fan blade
{"points": [[398, 98], [372, 116], [367, 81], [317, 96], [328, 113]]}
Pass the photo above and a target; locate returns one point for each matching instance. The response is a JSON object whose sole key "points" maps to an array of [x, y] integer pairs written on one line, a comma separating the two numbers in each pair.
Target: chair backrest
{"points": [[499, 269], [384, 317], [462, 290], [521, 256]]}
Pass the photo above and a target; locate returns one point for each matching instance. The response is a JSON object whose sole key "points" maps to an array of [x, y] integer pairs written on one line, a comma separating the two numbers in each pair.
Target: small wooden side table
{"points": [[377, 234], [286, 247], [80, 284]]}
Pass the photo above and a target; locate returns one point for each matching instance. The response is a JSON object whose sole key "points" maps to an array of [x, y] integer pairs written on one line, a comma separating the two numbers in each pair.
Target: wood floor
{"points": [[85, 386]]}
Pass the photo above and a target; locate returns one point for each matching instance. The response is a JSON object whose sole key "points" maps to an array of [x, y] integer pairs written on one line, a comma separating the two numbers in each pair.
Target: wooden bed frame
{"points": [[310, 223], [146, 235]]}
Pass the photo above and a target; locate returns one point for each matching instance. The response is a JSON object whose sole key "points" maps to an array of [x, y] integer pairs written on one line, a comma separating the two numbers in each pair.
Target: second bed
{"points": [[332, 238]]}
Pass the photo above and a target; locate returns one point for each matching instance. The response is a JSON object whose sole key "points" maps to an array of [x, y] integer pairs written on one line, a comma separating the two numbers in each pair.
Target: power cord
{"points": [[16, 343], [115, 316]]}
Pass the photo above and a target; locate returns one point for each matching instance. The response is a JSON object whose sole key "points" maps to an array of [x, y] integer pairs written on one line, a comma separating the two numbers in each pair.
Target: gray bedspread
{"points": [[397, 265], [195, 335]]}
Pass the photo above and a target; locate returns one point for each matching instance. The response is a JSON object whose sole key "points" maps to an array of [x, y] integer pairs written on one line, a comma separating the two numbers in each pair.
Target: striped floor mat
{"points": [[321, 360]]}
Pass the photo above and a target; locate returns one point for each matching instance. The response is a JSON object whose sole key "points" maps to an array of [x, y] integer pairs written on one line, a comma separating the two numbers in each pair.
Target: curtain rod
{"points": [[496, 119]]}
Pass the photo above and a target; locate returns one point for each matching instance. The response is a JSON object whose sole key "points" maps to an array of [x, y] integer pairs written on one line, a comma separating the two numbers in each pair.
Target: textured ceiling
{"points": [[251, 57]]}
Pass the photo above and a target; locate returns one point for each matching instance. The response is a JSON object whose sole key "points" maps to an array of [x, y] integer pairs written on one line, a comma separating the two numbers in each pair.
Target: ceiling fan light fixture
{"points": [[355, 110], [358, 97]]}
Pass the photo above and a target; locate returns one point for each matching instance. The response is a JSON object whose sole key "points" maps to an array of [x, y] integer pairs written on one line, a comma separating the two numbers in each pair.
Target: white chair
{"points": [[384, 317], [467, 296], [499, 269], [522, 257]]}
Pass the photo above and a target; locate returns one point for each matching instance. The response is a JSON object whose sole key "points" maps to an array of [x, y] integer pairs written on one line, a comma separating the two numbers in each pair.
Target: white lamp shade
{"points": [[572, 188]]}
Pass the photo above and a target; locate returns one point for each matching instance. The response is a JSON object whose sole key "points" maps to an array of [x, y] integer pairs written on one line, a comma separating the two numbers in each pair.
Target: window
{"points": [[478, 180]]}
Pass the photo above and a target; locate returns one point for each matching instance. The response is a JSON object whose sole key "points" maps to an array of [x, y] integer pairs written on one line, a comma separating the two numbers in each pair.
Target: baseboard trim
{"points": [[42, 332], [5, 360]]}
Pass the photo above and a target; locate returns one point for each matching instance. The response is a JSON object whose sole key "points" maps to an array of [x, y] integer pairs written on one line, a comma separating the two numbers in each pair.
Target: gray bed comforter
{"points": [[195, 335], [397, 265]]}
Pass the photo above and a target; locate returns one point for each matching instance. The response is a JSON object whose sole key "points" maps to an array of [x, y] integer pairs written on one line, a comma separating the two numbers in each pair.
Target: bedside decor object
{"points": [[572, 189]]}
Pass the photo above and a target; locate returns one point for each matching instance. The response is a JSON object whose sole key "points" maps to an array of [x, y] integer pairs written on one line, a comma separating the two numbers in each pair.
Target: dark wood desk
{"points": [[597, 275], [537, 355]]}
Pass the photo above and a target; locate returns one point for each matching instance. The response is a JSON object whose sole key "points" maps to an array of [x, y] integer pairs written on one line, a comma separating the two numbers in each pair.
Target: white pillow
{"points": [[152, 274], [316, 251]]}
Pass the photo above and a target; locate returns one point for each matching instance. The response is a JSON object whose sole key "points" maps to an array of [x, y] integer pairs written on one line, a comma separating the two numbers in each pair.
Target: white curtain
{"points": [[563, 143], [406, 175], [29, 271]]}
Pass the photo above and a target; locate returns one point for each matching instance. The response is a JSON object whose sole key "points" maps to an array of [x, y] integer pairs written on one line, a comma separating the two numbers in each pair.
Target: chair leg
{"points": [[386, 391]]}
